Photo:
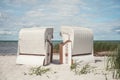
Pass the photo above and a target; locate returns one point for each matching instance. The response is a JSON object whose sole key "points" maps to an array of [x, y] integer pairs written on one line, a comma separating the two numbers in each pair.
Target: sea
{"points": [[11, 47]]}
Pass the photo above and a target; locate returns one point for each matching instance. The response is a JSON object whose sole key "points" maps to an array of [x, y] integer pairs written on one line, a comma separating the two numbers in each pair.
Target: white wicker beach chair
{"points": [[34, 46], [77, 45]]}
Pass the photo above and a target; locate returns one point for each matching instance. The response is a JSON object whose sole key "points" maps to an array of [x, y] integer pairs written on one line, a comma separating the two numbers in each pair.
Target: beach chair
{"points": [[35, 46], [77, 45]]}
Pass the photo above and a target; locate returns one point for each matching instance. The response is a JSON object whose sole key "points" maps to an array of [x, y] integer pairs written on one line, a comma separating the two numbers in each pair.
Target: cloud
{"points": [[65, 7], [52, 13], [101, 18], [35, 13], [116, 30], [19, 3], [55, 12], [56, 8], [3, 16], [5, 32], [6, 20]]}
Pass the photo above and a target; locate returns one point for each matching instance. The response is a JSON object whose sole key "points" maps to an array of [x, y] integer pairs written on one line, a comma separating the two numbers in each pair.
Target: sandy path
{"points": [[10, 71]]}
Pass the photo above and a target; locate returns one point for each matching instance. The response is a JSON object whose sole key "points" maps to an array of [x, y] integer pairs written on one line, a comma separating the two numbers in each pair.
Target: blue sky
{"points": [[102, 16]]}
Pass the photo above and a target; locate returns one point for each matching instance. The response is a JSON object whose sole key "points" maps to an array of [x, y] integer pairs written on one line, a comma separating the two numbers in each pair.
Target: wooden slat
{"points": [[51, 57], [32, 54], [81, 54], [61, 50], [61, 53], [65, 42]]}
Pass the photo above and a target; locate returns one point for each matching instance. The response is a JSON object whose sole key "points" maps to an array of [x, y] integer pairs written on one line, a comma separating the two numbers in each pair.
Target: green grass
{"points": [[81, 69], [56, 48], [100, 46], [38, 70], [113, 63]]}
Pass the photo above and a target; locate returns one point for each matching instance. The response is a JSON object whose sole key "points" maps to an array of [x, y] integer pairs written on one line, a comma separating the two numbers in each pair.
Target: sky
{"points": [[102, 16]]}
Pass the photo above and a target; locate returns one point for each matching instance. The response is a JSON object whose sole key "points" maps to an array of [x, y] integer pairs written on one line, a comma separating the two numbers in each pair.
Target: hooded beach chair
{"points": [[35, 46], [77, 45]]}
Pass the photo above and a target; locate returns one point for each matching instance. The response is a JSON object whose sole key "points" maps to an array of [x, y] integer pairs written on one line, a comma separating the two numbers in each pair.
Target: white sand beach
{"points": [[10, 71]]}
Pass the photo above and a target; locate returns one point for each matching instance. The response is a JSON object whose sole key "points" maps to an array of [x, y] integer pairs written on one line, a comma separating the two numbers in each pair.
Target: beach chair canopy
{"points": [[77, 44], [33, 40], [81, 38], [35, 46]]}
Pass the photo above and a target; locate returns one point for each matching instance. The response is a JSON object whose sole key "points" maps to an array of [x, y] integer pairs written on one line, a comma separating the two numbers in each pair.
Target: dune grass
{"points": [[101, 46], [80, 69], [38, 70], [113, 63]]}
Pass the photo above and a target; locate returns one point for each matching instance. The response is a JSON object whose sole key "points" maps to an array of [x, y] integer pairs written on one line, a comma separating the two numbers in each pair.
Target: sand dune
{"points": [[10, 71]]}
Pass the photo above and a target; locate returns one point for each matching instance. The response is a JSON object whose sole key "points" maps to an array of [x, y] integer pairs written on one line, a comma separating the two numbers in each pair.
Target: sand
{"points": [[10, 71]]}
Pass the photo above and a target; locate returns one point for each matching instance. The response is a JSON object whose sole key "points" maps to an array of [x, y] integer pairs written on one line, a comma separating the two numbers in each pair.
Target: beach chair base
{"points": [[30, 60], [84, 58]]}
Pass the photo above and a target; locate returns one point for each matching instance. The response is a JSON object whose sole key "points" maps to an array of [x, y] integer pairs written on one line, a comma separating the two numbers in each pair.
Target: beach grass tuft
{"points": [[80, 68], [38, 70], [113, 63]]}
